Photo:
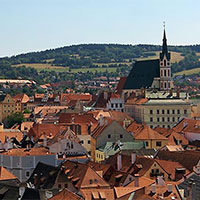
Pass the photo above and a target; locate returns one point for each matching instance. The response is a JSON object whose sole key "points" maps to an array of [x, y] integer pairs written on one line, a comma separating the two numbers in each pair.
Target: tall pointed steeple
{"points": [[164, 47]]}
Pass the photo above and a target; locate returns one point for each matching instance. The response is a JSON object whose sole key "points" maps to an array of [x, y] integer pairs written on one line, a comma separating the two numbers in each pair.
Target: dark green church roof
{"points": [[142, 74], [164, 48]]}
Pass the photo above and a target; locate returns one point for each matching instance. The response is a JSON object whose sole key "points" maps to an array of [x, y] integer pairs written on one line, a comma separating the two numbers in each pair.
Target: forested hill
{"points": [[95, 55]]}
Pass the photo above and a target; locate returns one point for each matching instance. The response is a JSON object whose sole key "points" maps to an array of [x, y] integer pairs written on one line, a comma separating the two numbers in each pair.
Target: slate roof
{"points": [[46, 176], [187, 183], [142, 74]]}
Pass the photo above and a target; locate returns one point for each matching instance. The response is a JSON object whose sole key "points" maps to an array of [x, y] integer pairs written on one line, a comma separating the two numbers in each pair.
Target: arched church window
{"points": [[168, 72], [165, 73], [164, 62], [161, 72], [165, 85]]}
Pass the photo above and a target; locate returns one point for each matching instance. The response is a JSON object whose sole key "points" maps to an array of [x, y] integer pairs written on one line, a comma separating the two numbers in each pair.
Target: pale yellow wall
{"points": [[99, 156], [141, 113], [152, 143], [154, 167]]}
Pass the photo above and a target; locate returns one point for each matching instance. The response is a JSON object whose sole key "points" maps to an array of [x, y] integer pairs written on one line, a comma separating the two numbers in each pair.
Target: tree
{"points": [[14, 118]]}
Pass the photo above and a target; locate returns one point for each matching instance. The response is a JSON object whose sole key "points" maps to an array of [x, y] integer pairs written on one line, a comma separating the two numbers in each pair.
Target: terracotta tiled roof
{"points": [[83, 176], [142, 181], [100, 193], [6, 175], [188, 159], [75, 97], [136, 101], [99, 129], [24, 152], [23, 98], [148, 134], [76, 118], [45, 129], [26, 125], [170, 167], [122, 191], [134, 127], [119, 116], [16, 134], [66, 195], [121, 84]]}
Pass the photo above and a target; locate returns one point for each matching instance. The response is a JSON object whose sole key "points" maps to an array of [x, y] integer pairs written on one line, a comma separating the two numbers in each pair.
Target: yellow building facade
{"points": [[159, 112]]}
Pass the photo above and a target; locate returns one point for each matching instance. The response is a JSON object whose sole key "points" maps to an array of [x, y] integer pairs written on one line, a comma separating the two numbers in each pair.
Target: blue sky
{"points": [[33, 25]]}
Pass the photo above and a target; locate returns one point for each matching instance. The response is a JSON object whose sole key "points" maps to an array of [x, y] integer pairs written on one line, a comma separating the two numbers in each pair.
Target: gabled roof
{"points": [[142, 74], [23, 98], [148, 134], [170, 167], [66, 195], [6, 175], [83, 176], [120, 85], [44, 176]]}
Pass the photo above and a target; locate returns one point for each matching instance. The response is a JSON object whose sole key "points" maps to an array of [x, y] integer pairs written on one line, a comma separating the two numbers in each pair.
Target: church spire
{"points": [[164, 47]]}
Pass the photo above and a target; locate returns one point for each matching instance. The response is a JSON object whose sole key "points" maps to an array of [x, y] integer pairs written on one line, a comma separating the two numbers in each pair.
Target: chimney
{"points": [[133, 158], [136, 180], [171, 92], [21, 192], [105, 95], [153, 188], [178, 93], [45, 140], [1, 127], [169, 188], [35, 179], [101, 120], [119, 162]]}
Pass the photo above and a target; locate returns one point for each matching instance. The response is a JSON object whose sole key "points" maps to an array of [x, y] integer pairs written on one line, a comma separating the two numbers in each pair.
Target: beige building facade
{"points": [[158, 112]]}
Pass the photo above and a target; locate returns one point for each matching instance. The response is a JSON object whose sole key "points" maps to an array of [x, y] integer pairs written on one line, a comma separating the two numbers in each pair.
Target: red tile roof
{"points": [[148, 134], [120, 85], [66, 195]]}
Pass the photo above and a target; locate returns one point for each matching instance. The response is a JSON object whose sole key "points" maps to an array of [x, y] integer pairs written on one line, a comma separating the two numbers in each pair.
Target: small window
{"points": [[185, 112], [168, 111], [120, 105], [158, 119], [109, 136], [121, 136], [151, 126], [66, 185], [88, 141], [163, 112], [59, 186], [163, 119], [173, 111], [163, 126], [158, 112], [152, 171], [151, 112], [173, 119], [112, 105], [157, 171], [82, 142], [27, 173], [147, 144], [158, 144], [116, 105], [178, 111], [151, 119]]}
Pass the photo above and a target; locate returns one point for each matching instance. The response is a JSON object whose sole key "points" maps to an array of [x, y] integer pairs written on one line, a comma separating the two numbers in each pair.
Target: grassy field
{"points": [[47, 67], [188, 72], [175, 56]]}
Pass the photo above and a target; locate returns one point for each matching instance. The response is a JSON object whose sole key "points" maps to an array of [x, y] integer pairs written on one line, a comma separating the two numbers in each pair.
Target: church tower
{"points": [[166, 82]]}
